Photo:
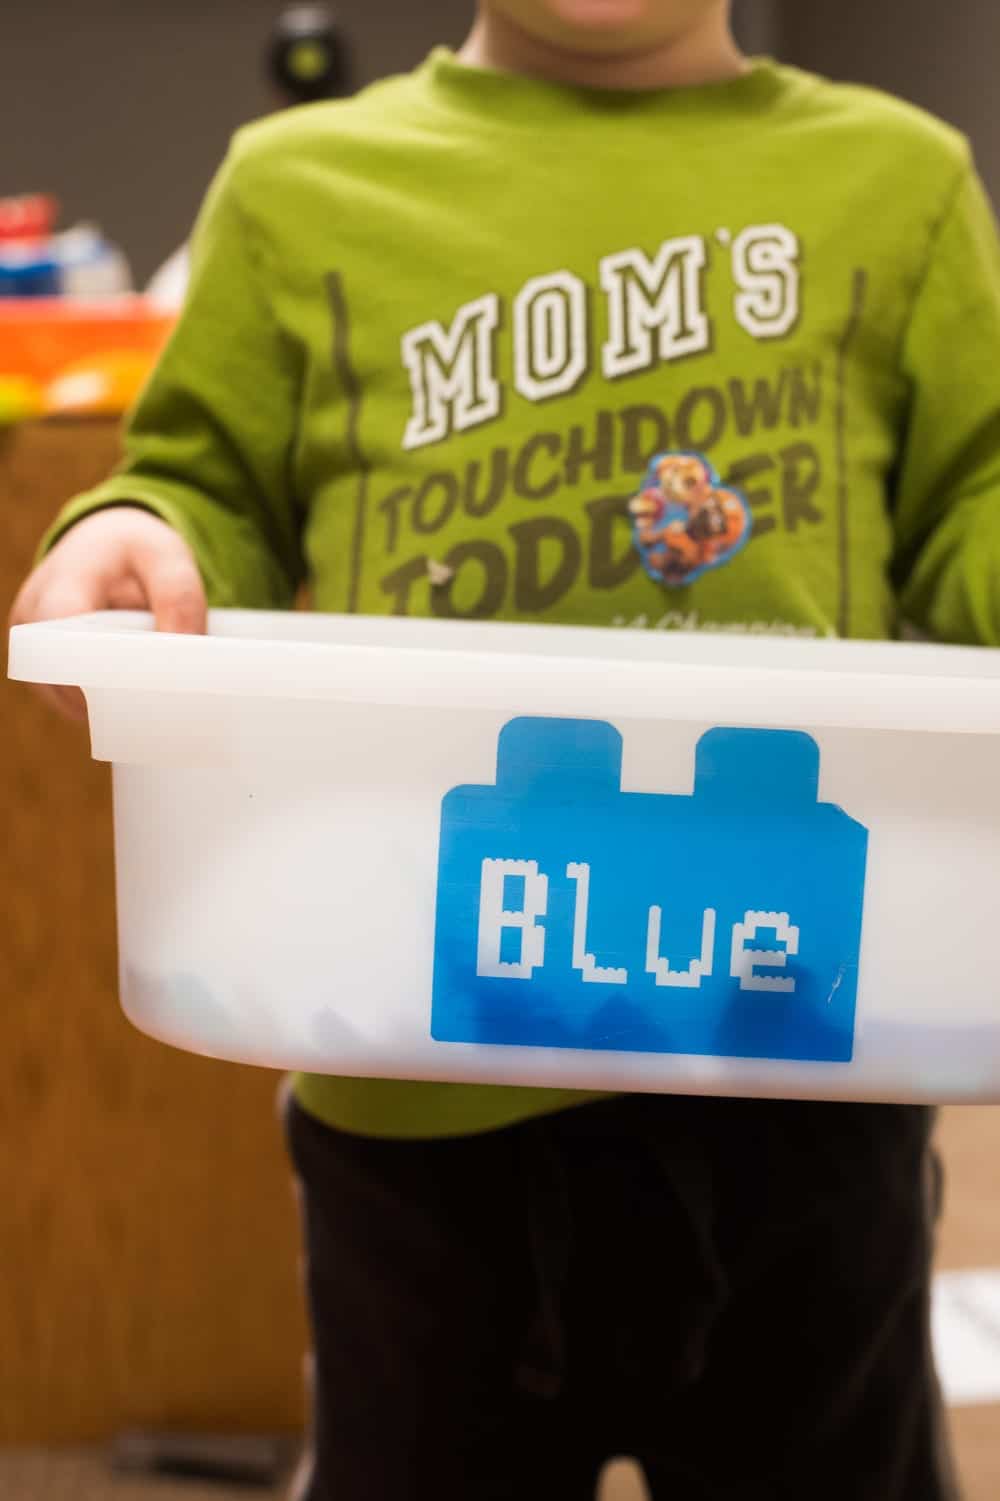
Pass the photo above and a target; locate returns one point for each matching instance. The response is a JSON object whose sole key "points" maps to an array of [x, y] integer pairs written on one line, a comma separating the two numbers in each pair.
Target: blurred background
{"points": [[148, 1286], [122, 109]]}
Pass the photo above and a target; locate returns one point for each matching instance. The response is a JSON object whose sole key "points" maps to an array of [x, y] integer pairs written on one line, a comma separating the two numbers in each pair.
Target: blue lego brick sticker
{"points": [[571, 914]]}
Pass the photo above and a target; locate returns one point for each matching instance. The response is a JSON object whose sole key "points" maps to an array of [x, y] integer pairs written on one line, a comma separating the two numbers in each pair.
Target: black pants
{"points": [[733, 1292]]}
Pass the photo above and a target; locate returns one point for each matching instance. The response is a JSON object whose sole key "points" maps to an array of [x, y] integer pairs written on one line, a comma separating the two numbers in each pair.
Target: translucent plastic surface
{"points": [[527, 854]]}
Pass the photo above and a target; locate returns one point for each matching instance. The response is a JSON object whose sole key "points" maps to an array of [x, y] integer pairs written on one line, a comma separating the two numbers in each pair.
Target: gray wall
{"points": [[757, 26], [941, 56], [123, 107]]}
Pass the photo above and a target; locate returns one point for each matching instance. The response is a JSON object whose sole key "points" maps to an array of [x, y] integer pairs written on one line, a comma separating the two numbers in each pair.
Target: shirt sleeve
{"points": [[947, 493], [209, 446]]}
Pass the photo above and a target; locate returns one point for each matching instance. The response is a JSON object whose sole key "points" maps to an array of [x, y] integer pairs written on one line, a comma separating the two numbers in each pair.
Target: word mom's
{"points": [[655, 313], [496, 921]]}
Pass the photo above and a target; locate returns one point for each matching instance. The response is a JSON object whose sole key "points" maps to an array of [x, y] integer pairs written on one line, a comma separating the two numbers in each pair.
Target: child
{"points": [[435, 339]]}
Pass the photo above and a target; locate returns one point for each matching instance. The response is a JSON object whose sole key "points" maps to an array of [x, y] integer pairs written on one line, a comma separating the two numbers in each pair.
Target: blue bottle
{"points": [[33, 273], [573, 915]]}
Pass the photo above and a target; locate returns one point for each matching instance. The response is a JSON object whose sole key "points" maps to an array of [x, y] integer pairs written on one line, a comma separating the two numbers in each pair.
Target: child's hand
{"points": [[119, 559]]}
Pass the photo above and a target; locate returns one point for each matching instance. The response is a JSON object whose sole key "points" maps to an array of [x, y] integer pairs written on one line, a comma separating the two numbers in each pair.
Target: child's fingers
{"points": [[119, 559], [176, 594], [57, 596], [126, 594]]}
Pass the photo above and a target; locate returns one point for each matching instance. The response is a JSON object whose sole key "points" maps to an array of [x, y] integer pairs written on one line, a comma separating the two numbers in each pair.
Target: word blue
{"points": [[573, 915]]}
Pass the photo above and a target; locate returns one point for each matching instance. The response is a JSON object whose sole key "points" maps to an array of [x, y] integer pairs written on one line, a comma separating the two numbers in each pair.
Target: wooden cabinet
{"points": [[148, 1238]]}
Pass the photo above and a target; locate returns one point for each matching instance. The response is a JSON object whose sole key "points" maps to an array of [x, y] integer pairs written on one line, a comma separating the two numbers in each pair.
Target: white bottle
{"points": [[91, 269]]}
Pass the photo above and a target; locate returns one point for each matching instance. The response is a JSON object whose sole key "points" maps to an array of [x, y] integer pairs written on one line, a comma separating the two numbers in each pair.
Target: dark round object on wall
{"points": [[308, 57]]}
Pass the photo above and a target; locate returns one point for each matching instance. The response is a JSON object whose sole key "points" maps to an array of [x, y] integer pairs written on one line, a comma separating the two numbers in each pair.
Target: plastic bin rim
{"points": [[659, 675]]}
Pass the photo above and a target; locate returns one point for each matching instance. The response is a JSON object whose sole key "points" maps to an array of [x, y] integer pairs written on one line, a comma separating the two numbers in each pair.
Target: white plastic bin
{"points": [[551, 856]]}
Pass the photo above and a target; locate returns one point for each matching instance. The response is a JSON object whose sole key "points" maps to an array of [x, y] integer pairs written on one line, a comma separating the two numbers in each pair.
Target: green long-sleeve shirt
{"points": [[435, 335]]}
